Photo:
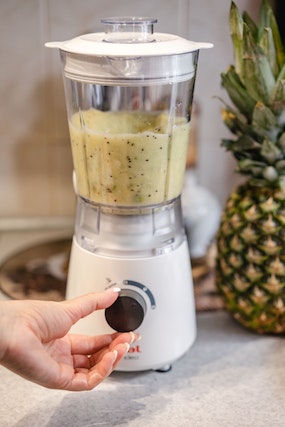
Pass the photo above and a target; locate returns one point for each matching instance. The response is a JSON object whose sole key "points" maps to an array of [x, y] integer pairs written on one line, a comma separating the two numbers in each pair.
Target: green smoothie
{"points": [[128, 158]]}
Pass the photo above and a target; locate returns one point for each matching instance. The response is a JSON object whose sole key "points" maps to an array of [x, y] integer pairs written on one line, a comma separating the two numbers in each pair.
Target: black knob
{"points": [[127, 312]]}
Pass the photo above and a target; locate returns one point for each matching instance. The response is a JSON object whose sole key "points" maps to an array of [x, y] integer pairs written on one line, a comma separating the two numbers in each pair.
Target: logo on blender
{"points": [[135, 349]]}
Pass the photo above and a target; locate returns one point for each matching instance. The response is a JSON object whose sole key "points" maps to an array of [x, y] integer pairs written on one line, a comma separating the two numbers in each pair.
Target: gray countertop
{"points": [[229, 378]]}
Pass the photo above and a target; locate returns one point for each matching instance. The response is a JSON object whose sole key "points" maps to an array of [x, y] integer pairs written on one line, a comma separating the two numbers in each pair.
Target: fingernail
{"points": [[127, 346], [139, 337], [115, 352], [132, 336], [116, 290]]}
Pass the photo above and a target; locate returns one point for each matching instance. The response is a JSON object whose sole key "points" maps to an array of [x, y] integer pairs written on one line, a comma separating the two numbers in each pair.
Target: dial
{"points": [[127, 312]]}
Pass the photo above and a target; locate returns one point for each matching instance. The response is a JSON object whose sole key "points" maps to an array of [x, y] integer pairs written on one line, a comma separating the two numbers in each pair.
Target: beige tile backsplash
{"points": [[35, 157]]}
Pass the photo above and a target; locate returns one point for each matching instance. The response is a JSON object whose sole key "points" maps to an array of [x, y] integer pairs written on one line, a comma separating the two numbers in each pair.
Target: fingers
{"points": [[81, 344], [91, 369], [124, 337], [107, 364], [82, 306], [84, 347], [87, 380]]}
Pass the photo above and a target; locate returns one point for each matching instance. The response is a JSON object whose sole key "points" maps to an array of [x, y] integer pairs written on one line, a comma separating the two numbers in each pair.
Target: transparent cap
{"points": [[129, 29]]}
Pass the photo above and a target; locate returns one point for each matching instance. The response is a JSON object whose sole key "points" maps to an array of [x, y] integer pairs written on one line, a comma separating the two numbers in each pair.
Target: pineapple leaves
{"points": [[258, 51], [251, 25], [281, 140], [257, 75], [235, 122], [268, 47], [267, 19], [255, 85], [260, 174], [277, 101], [270, 152], [264, 122], [237, 91], [236, 30], [240, 146], [250, 167]]}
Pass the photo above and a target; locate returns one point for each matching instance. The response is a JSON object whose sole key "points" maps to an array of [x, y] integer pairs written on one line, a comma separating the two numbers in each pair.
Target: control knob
{"points": [[127, 312]]}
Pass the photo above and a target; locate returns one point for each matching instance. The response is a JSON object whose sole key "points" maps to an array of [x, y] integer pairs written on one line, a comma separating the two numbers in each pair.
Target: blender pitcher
{"points": [[128, 95]]}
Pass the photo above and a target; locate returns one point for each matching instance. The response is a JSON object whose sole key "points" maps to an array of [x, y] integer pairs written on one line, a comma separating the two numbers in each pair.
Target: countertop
{"points": [[229, 378]]}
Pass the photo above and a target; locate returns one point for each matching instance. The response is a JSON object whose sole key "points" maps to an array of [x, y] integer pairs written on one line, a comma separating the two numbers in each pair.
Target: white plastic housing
{"points": [[169, 326]]}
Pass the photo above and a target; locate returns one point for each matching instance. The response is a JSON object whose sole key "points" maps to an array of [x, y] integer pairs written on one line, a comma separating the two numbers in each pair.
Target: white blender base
{"points": [[165, 283]]}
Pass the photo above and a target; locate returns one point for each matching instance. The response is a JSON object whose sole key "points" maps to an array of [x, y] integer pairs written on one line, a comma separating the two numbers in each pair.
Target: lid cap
{"points": [[128, 29]]}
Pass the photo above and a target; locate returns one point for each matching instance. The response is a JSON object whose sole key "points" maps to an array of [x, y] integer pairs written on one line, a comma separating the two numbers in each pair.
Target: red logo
{"points": [[135, 349]]}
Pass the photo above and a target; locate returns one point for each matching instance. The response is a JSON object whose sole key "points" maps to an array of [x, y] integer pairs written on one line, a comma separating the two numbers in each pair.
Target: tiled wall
{"points": [[35, 158]]}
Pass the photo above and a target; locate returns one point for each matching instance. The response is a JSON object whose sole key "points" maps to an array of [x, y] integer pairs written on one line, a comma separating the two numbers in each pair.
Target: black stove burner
{"points": [[37, 272]]}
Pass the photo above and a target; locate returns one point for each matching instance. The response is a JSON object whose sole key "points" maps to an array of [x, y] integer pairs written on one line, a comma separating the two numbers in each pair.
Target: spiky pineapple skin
{"points": [[250, 264]]}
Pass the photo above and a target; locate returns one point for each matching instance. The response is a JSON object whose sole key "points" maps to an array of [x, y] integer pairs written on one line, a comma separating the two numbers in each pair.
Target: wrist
{"points": [[4, 328]]}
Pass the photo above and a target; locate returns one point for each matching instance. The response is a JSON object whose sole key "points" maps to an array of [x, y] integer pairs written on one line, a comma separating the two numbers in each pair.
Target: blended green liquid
{"points": [[128, 159]]}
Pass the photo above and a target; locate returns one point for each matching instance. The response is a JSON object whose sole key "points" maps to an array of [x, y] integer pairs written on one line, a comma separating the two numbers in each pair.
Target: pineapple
{"points": [[250, 264]]}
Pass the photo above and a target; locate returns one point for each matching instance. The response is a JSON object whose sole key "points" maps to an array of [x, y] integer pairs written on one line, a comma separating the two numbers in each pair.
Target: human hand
{"points": [[35, 343]]}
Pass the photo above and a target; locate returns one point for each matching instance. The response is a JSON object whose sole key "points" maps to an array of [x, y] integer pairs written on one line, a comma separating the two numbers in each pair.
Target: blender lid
{"points": [[128, 36], [94, 44]]}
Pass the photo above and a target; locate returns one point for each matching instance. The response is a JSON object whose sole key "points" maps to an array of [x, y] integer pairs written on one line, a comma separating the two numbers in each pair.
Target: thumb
{"points": [[80, 307]]}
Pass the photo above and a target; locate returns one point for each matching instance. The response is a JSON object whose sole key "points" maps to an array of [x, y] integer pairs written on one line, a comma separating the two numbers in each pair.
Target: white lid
{"points": [[145, 54], [95, 44], [128, 36]]}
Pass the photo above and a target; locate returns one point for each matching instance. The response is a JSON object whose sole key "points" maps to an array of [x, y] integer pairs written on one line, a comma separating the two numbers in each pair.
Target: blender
{"points": [[128, 94]]}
